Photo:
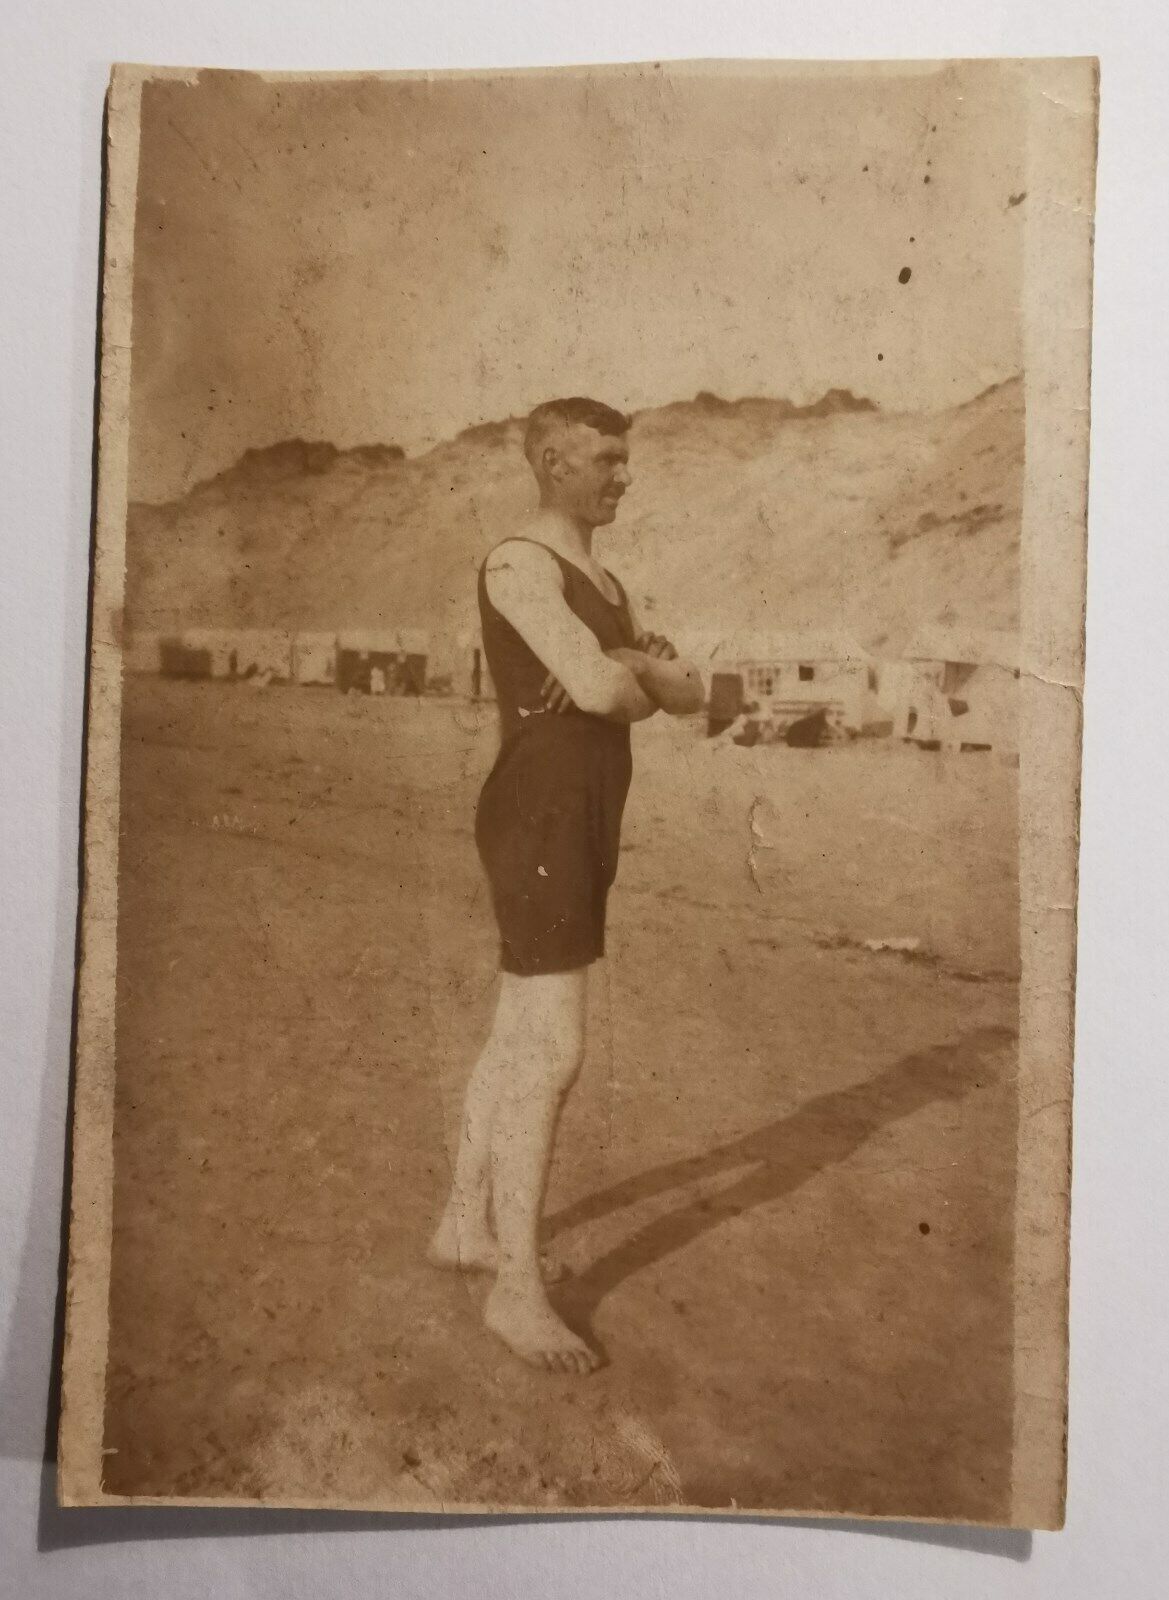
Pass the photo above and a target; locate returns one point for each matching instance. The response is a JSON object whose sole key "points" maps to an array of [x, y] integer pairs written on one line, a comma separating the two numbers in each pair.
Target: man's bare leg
{"points": [[547, 1029], [464, 1238]]}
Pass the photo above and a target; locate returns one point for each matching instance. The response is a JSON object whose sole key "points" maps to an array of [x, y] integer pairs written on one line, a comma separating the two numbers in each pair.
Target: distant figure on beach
{"points": [[572, 670]]}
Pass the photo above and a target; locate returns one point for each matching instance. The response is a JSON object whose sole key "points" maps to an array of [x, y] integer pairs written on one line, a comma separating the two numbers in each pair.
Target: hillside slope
{"points": [[745, 514]]}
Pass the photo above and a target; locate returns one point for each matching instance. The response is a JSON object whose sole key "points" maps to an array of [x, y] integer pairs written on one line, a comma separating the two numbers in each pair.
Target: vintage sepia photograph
{"points": [[575, 1007]]}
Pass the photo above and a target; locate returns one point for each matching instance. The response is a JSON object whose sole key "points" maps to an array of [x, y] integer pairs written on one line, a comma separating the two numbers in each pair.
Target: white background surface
{"points": [[55, 57]]}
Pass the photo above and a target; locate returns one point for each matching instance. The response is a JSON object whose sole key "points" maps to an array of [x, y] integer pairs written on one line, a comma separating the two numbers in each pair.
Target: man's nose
{"points": [[623, 477]]}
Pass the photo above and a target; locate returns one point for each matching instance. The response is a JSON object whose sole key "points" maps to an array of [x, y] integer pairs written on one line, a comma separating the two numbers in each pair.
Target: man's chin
{"points": [[608, 512]]}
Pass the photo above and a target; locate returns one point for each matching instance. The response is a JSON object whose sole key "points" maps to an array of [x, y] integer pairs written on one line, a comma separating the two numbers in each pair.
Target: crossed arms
{"points": [[625, 685]]}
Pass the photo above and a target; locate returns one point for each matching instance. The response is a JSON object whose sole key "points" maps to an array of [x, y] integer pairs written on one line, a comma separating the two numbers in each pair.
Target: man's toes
{"points": [[572, 1360]]}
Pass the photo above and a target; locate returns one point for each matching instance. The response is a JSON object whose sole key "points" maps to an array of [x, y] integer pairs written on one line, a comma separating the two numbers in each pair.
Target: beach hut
{"points": [[181, 656], [414, 648], [382, 661], [314, 657], [958, 689], [790, 676], [208, 652], [263, 653]]}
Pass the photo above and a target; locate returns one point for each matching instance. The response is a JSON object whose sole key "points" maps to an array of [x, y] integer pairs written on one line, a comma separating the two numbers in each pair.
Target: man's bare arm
{"points": [[673, 685], [525, 586]]}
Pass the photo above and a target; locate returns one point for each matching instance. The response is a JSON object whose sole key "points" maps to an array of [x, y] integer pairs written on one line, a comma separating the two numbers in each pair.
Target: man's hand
{"points": [[656, 647], [555, 696]]}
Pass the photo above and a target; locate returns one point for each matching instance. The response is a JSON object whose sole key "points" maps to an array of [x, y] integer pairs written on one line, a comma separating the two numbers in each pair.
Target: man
{"points": [[572, 671]]}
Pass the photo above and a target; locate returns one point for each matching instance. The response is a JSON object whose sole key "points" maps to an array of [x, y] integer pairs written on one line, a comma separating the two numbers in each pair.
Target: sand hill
{"points": [[743, 514]]}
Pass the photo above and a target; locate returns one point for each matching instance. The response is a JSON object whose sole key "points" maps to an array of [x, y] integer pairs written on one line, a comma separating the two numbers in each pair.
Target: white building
{"points": [[793, 674], [957, 688]]}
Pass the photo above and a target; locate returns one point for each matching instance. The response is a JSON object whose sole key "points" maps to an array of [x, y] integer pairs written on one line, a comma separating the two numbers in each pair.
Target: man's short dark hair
{"points": [[554, 414]]}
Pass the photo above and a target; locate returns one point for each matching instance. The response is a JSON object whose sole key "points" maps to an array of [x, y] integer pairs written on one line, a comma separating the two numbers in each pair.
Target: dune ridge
{"points": [[750, 513]]}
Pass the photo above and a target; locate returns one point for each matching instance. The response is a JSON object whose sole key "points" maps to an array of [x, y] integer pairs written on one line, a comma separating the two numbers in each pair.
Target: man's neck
{"points": [[569, 534]]}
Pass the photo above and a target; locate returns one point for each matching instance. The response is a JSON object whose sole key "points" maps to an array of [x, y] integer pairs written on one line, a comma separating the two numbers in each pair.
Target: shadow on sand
{"points": [[782, 1156]]}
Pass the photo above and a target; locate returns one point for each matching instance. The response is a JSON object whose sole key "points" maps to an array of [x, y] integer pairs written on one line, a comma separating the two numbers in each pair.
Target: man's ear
{"points": [[553, 462]]}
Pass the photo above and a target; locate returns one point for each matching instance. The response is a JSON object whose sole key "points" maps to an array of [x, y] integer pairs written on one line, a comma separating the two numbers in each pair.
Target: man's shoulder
{"points": [[520, 556]]}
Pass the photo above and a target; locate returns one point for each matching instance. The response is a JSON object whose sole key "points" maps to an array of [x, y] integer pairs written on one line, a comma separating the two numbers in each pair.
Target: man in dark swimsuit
{"points": [[572, 671]]}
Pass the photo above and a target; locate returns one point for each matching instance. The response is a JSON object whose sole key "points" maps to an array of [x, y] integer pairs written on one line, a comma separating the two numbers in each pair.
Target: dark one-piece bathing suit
{"points": [[548, 822]]}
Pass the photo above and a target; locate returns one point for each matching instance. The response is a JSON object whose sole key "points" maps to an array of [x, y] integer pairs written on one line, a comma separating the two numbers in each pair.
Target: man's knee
{"points": [[552, 1057], [565, 1059], [547, 1034]]}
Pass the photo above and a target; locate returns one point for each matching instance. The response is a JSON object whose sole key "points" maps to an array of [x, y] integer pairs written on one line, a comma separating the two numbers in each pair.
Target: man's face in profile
{"points": [[594, 473]]}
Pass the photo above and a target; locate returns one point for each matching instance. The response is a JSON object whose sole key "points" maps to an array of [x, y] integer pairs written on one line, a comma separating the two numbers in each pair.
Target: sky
{"points": [[389, 260]]}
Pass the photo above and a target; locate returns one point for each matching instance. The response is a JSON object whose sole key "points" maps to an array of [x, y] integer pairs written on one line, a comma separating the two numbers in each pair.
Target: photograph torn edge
{"points": [[1062, 99], [90, 1233], [1062, 109]]}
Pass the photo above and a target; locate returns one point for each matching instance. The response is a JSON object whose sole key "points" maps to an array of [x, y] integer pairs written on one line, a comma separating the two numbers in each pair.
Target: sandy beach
{"points": [[784, 1184]]}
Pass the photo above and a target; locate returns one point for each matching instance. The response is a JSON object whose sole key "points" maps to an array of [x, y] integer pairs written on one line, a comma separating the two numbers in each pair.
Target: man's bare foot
{"points": [[459, 1245], [517, 1310]]}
